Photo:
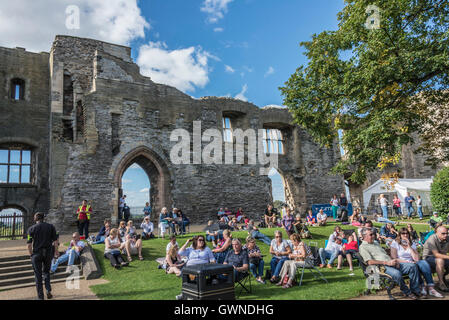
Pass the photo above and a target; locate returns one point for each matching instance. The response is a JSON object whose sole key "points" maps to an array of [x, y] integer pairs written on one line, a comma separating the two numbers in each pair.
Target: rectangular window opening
{"points": [[15, 165], [273, 141]]}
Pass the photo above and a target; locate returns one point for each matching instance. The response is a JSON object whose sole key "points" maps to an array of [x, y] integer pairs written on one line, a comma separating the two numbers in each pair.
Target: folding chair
{"points": [[244, 282], [310, 265]]}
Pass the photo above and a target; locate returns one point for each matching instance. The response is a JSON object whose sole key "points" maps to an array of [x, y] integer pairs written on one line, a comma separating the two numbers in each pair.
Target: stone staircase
{"points": [[17, 272]]}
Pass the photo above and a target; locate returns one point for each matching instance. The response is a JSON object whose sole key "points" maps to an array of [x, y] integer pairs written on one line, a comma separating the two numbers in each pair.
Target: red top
{"points": [[311, 219], [82, 214], [351, 246]]}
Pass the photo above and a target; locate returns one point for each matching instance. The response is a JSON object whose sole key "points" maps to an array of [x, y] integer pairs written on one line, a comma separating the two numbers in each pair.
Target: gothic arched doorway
{"points": [[158, 175]]}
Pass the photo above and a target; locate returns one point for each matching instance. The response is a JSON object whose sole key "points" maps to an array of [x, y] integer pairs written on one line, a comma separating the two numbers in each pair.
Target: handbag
{"points": [[254, 260], [114, 252]]}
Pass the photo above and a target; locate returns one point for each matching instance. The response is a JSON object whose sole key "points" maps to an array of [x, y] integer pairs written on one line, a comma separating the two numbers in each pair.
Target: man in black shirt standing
{"points": [[41, 238]]}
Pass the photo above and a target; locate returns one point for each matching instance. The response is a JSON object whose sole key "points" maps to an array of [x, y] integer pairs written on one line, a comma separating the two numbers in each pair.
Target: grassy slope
{"points": [[142, 279]]}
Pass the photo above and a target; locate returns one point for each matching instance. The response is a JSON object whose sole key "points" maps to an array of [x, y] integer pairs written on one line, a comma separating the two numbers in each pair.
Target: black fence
{"points": [[12, 226]]}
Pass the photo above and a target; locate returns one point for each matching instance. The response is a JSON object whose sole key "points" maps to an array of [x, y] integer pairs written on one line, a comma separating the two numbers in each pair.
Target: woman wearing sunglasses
{"points": [[403, 249]]}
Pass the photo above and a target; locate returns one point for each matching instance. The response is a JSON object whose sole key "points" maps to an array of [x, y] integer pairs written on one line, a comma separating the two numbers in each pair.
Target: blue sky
{"points": [[244, 49], [257, 39]]}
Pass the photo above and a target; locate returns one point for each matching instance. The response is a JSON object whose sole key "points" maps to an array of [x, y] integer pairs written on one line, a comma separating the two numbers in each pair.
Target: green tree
{"points": [[439, 192], [278, 204], [374, 84]]}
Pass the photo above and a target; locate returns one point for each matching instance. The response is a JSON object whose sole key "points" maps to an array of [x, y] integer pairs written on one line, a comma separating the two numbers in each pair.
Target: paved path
{"points": [[397, 294]]}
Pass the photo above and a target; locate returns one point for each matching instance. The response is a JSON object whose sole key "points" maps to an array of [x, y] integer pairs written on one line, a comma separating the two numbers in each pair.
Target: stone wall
{"points": [[101, 116], [25, 123], [113, 92]]}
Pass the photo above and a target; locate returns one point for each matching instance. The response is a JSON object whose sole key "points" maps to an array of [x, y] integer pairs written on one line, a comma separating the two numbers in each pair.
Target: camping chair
{"points": [[385, 281], [244, 283], [354, 257], [311, 266]]}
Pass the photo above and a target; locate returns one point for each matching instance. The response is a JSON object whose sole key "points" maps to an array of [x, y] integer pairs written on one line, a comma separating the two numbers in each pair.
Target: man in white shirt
{"points": [[332, 251], [321, 218], [148, 228], [74, 251]]}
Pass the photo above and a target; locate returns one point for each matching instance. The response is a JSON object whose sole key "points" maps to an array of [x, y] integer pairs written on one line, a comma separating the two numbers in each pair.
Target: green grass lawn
{"points": [[142, 279]]}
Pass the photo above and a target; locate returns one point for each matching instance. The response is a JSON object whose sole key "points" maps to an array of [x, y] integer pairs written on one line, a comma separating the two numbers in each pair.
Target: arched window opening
{"points": [[277, 187]]}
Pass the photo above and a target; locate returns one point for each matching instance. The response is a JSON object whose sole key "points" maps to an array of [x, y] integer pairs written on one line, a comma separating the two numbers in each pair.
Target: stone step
{"points": [[32, 284], [29, 279], [15, 268], [14, 273], [17, 263], [15, 258]]}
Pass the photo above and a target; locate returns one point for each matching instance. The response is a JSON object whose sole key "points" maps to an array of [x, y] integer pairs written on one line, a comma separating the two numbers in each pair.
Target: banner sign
{"points": [[327, 208]]}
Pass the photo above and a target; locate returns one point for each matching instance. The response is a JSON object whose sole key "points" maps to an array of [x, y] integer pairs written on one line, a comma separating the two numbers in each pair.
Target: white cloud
{"points": [[144, 190], [218, 29], [126, 181], [269, 71], [184, 69], [136, 199], [229, 69], [215, 9], [241, 95], [117, 21], [248, 69]]}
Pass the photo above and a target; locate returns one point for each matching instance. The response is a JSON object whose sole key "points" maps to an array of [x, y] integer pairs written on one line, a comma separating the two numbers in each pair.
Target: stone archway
{"points": [[157, 172]]}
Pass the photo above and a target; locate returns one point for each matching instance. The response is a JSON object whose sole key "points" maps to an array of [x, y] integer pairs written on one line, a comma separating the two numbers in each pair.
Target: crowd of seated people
{"points": [[288, 255]]}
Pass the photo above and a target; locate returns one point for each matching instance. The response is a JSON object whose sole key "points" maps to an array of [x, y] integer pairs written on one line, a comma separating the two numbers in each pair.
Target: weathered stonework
{"points": [[100, 115], [25, 123]]}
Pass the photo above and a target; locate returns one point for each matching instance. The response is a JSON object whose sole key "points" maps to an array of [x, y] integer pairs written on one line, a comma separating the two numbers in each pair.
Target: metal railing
{"points": [[12, 226]]}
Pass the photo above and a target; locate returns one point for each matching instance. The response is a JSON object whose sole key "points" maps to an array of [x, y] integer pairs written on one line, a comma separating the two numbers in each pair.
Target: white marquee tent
{"points": [[414, 186]]}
